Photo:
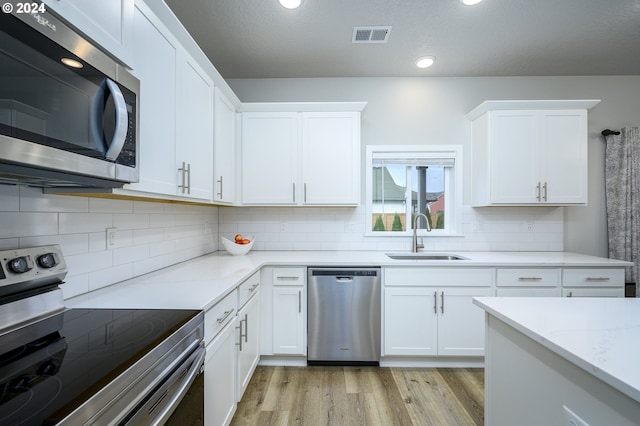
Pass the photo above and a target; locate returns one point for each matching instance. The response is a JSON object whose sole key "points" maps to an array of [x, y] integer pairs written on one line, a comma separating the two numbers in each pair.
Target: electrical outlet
{"points": [[475, 226], [572, 419], [111, 238], [284, 227], [530, 227], [350, 227]]}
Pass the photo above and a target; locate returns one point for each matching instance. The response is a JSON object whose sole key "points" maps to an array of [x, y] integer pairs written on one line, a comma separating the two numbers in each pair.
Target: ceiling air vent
{"points": [[371, 34]]}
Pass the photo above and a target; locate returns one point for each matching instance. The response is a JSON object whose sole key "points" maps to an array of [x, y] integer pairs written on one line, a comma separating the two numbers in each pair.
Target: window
{"points": [[403, 181]]}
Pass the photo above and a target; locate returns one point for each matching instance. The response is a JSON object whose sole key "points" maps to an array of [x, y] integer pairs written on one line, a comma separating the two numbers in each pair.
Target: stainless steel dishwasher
{"points": [[343, 308]]}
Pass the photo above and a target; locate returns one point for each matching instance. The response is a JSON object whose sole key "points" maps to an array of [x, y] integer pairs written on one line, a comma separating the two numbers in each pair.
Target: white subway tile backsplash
{"points": [[33, 200], [24, 224], [9, 198], [78, 224], [75, 223]]}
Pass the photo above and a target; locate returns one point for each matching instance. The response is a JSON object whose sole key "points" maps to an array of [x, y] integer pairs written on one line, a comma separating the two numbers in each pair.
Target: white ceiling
{"points": [[261, 39]]}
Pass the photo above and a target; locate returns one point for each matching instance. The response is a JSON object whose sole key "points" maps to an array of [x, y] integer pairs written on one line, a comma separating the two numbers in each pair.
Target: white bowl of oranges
{"points": [[240, 244]]}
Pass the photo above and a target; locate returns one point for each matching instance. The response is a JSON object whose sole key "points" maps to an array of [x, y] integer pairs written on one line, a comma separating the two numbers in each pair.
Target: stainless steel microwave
{"points": [[68, 111]]}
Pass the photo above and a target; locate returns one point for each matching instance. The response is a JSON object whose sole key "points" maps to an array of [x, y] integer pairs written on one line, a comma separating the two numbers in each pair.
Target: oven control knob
{"points": [[21, 264], [48, 260]]}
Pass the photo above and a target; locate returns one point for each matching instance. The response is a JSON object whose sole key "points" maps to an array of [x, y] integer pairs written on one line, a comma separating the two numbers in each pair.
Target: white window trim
{"points": [[453, 215]]}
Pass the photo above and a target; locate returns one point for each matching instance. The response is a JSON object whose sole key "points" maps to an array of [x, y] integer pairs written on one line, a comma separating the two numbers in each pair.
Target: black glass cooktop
{"points": [[51, 367]]}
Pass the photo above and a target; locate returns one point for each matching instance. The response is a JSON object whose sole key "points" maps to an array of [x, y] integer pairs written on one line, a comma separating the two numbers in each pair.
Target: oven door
{"points": [[171, 400]]}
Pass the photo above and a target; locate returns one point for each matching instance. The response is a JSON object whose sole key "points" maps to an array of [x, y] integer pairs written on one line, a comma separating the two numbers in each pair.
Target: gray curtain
{"points": [[622, 184]]}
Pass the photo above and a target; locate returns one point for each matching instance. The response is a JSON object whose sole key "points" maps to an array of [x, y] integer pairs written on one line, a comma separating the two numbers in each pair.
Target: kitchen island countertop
{"points": [[599, 335]]}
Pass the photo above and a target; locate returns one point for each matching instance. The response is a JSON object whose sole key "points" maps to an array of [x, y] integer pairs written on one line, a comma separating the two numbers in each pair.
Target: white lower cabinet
{"points": [[284, 312], [289, 313], [220, 378], [427, 320], [593, 282], [528, 282], [248, 327]]}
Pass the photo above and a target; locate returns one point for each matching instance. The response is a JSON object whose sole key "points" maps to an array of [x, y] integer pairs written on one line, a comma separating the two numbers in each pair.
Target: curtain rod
{"points": [[608, 132]]}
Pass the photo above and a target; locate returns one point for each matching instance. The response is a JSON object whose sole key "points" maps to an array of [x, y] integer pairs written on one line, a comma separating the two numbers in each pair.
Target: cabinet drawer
{"points": [[534, 277], [248, 288], [219, 315], [593, 277], [289, 276], [476, 277]]}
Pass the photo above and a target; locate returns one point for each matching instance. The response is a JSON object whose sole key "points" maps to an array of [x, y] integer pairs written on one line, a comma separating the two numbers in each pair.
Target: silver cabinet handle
{"points": [[305, 192], [182, 171], [225, 316], [544, 187], [294, 192], [246, 327], [598, 279], [299, 301], [435, 302], [287, 278], [188, 178], [538, 196], [442, 302], [570, 294], [239, 344], [529, 279], [220, 182], [253, 287]]}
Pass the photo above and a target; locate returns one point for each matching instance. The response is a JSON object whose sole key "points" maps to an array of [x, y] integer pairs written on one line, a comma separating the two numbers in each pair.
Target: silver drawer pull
{"points": [[285, 278], [598, 279], [225, 316], [529, 279], [253, 287]]}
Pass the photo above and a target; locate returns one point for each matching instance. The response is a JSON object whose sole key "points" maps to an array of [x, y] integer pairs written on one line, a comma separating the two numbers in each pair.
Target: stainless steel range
{"points": [[87, 366]]}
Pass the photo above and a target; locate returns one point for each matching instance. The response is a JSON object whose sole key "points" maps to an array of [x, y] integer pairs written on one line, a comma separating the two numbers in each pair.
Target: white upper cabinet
{"points": [[224, 155], [108, 23], [331, 158], [530, 153], [176, 115], [156, 52], [194, 146], [269, 153], [303, 157]]}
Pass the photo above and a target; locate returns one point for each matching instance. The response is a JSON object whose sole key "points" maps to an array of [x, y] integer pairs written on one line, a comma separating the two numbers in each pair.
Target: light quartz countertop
{"points": [[201, 282], [599, 335]]}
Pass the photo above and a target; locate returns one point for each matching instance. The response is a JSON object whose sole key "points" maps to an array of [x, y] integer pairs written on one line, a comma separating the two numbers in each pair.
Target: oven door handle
{"points": [[187, 380]]}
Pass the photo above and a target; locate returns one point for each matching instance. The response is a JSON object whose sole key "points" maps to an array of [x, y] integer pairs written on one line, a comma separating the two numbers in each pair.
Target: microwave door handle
{"points": [[122, 122]]}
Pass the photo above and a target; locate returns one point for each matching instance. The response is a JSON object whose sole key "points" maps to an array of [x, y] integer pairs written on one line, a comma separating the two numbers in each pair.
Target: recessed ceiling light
{"points": [[470, 2], [71, 63], [425, 61], [290, 4]]}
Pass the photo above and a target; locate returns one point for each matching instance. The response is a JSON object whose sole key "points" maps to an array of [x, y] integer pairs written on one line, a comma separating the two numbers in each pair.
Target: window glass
{"points": [[405, 183]]}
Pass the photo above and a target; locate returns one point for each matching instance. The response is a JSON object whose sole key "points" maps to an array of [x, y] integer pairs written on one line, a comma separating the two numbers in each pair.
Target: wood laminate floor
{"points": [[362, 396]]}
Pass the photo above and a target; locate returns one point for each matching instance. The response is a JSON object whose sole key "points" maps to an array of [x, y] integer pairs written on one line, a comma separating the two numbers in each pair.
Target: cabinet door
{"points": [[224, 149], [109, 23], [410, 321], [460, 322], [220, 378], [156, 52], [331, 158], [249, 347], [514, 144], [564, 156], [289, 325], [195, 127], [269, 158]]}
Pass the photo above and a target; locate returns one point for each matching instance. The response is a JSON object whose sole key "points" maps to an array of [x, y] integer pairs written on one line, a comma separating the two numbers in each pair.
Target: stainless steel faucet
{"points": [[414, 244]]}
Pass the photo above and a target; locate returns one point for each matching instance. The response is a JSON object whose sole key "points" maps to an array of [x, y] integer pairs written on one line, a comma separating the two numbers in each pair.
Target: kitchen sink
{"points": [[424, 256]]}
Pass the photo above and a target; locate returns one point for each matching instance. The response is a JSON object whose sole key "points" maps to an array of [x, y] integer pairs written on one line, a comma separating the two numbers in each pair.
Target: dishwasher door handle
{"points": [[344, 279]]}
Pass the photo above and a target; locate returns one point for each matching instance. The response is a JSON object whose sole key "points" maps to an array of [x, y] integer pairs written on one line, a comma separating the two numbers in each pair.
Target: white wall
{"points": [[432, 111], [149, 235]]}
